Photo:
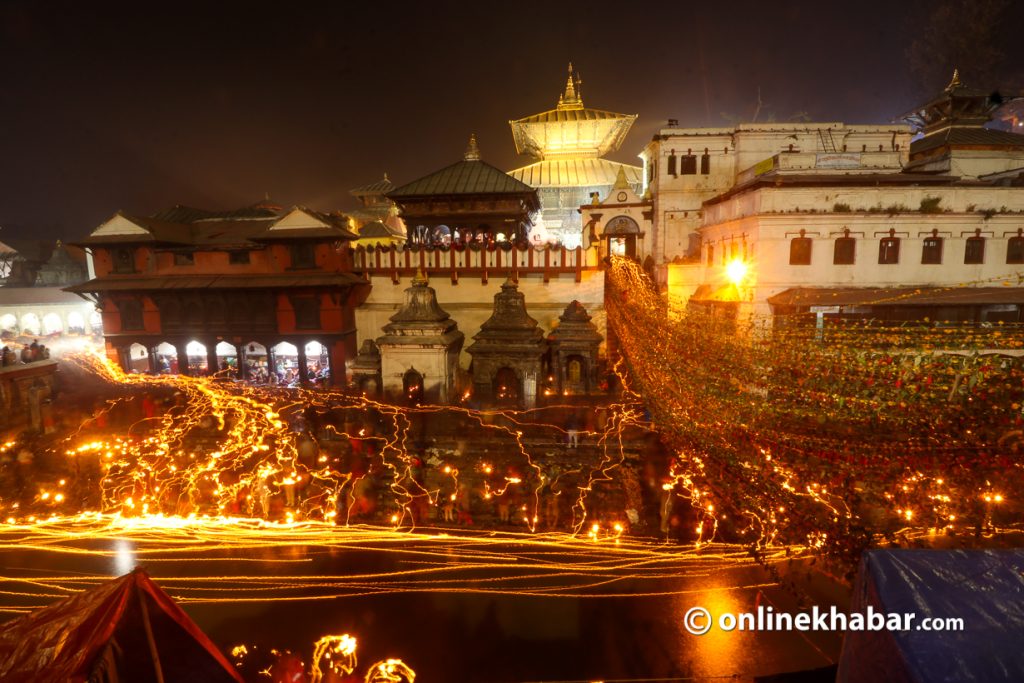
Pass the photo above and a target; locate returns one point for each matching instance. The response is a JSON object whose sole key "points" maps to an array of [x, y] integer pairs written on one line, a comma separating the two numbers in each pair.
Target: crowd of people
{"points": [[29, 354]]}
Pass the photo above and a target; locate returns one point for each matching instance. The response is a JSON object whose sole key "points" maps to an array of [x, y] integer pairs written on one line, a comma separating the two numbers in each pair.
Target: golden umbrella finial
{"points": [[472, 151]]}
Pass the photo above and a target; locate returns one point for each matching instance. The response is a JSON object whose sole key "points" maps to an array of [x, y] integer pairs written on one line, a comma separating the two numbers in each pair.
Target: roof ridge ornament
{"points": [[573, 96], [472, 151], [420, 279], [955, 82]]}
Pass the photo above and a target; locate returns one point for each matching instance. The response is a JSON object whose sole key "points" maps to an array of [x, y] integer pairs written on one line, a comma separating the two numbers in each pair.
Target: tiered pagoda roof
{"points": [[570, 129]]}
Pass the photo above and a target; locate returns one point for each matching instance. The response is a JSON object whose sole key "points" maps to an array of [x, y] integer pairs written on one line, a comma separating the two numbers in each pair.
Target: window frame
{"points": [[796, 247], [688, 164], [235, 254], [302, 249], [306, 319], [889, 251], [852, 241], [184, 258], [931, 255], [974, 259], [115, 260], [127, 310], [1015, 242]]}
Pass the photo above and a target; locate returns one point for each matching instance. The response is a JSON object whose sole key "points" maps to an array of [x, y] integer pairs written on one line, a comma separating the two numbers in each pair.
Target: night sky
{"points": [[145, 105]]}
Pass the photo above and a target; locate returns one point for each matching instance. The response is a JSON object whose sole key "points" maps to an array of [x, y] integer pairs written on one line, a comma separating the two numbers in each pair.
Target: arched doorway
{"points": [[575, 375], [165, 358], [317, 362], [622, 233], [198, 361], [227, 358], [506, 387], [76, 323], [138, 359], [52, 324], [9, 323], [257, 369], [412, 387], [30, 324], [286, 363]]}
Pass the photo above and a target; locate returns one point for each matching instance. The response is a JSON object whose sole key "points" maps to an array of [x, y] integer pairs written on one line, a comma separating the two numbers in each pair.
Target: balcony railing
{"points": [[485, 262]]}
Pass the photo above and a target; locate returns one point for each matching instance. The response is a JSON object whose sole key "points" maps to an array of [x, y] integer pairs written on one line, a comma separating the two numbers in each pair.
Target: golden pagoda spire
{"points": [[472, 151], [572, 98]]}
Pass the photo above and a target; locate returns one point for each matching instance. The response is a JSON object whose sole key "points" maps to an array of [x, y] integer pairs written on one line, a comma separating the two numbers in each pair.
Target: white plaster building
{"points": [[834, 219]]}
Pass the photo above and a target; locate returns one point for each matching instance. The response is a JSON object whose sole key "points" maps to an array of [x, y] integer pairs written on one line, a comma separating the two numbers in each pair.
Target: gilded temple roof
{"points": [[571, 129], [579, 172]]}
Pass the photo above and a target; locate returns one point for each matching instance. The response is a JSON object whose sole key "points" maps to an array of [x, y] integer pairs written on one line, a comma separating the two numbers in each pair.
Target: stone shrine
{"points": [[508, 352], [420, 349]]}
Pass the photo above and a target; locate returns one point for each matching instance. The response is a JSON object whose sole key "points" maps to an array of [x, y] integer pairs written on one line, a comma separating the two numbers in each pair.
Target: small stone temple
{"points": [[508, 352], [419, 352], [574, 347], [366, 369]]}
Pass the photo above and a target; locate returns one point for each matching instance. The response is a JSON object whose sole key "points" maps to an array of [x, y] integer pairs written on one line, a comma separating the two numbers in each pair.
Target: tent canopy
{"points": [[124, 630], [985, 588]]}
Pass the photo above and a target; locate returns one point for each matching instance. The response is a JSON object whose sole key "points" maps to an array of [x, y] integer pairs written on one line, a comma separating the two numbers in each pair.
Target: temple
{"points": [[468, 201], [569, 143]]}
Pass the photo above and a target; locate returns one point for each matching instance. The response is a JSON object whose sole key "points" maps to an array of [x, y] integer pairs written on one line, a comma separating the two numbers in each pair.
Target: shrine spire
{"points": [[572, 98], [472, 151]]}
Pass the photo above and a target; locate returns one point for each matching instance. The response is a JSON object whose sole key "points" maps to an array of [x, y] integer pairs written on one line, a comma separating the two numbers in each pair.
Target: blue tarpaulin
{"points": [[984, 588]]}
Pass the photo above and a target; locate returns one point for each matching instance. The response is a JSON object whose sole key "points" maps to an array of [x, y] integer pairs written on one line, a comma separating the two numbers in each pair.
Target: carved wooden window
{"points": [[131, 314], [800, 251], [931, 252], [1015, 250], [303, 255], [974, 251], [688, 165], [845, 251], [307, 312], [889, 250], [123, 260]]}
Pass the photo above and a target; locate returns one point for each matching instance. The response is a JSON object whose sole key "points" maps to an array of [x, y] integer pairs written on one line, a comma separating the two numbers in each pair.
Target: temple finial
{"points": [[572, 97], [954, 83], [621, 182], [472, 151], [420, 279]]}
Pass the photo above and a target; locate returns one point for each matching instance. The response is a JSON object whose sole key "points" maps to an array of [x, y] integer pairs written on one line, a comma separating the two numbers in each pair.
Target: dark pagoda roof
{"points": [[510, 327], [464, 177], [421, 321], [471, 176], [967, 136], [575, 326], [382, 186]]}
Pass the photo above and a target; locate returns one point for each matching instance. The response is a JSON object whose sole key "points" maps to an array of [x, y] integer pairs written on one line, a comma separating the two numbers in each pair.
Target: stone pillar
{"points": [[303, 368], [271, 362], [212, 364], [153, 366], [183, 368], [243, 370]]}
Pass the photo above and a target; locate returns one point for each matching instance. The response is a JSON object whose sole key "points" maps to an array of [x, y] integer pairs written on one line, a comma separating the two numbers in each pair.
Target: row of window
{"points": [[303, 256], [889, 250], [307, 313]]}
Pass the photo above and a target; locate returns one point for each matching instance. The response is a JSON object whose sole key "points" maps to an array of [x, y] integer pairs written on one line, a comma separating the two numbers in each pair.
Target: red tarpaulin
{"points": [[127, 630]]}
